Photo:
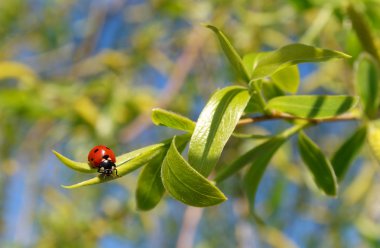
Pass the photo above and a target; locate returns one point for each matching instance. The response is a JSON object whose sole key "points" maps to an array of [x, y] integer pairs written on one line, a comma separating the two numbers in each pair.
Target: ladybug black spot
{"points": [[106, 156], [92, 159], [96, 150]]}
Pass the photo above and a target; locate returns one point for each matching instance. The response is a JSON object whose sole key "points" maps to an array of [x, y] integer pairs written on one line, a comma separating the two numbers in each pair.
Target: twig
{"points": [[190, 222]]}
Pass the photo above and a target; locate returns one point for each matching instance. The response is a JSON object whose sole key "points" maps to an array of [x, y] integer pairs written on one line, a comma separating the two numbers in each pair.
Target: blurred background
{"points": [[74, 74]]}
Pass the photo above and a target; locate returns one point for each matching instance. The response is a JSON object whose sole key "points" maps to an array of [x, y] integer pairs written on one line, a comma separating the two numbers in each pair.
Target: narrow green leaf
{"points": [[78, 166], [259, 153], [315, 107], [289, 55], [215, 126], [231, 54], [86, 168], [366, 82], [258, 156], [363, 31], [149, 184], [123, 169], [131, 161], [172, 120], [260, 161], [318, 165], [343, 157], [185, 184], [288, 79]]}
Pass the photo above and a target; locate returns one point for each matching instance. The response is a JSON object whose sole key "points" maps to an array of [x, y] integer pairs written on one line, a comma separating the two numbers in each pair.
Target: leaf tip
{"points": [[213, 28], [66, 186]]}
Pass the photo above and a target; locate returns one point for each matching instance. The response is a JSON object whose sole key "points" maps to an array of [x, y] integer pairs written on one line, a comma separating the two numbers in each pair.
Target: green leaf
{"points": [[78, 166], [319, 166], [172, 120], [259, 153], [131, 161], [275, 61], [288, 79], [250, 61], [185, 184], [343, 157], [363, 31], [259, 158], [149, 184], [122, 159], [366, 82], [269, 90], [232, 55], [315, 107], [215, 126]]}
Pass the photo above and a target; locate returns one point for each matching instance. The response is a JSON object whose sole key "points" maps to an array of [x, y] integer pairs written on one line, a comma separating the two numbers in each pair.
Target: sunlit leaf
{"points": [[343, 157], [78, 166], [250, 61], [150, 189], [128, 162], [315, 107], [292, 54], [318, 165], [232, 55], [172, 120], [185, 184], [287, 79], [367, 83], [215, 126]]}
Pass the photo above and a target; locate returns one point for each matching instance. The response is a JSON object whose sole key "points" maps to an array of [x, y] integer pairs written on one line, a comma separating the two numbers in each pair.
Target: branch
{"points": [[282, 116], [191, 219]]}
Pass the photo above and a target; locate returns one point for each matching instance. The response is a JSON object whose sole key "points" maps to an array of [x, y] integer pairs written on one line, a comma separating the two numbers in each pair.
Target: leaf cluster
{"points": [[266, 85]]}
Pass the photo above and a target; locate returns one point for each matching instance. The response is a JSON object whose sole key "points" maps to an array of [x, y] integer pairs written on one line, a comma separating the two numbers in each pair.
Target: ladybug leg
{"points": [[116, 172]]}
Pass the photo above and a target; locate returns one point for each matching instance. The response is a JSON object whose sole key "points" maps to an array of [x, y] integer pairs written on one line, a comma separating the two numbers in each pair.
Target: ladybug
{"points": [[104, 159]]}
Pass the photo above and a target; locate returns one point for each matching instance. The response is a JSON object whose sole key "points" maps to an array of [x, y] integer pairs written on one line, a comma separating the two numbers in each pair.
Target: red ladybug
{"points": [[104, 159]]}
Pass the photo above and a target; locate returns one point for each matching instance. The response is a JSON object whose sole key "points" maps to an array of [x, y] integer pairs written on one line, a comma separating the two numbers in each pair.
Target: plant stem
{"points": [[257, 95]]}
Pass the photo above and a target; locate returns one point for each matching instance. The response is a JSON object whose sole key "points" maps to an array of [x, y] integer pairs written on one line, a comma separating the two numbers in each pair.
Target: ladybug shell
{"points": [[98, 153]]}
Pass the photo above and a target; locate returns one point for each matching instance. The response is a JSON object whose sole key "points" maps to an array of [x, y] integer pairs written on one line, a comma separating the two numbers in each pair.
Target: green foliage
{"points": [[288, 79], [319, 166], [343, 157], [313, 107], [231, 54], [268, 75], [172, 120], [215, 126], [363, 31], [272, 62], [367, 83], [150, 189], [187, 185]]}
